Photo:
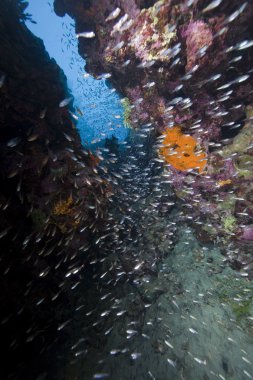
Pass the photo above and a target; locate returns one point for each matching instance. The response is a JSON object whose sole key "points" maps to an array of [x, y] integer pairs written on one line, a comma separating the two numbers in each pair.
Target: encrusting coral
{"points": [[179, 150], [64, 213], [152, 35], [63, 207], [198, 36], [224, 182]]}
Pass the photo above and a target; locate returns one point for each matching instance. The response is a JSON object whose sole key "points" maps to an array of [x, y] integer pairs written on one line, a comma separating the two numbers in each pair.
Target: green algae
{"points": [[237, 293], [242, 141], [228, 220], [242, 309], [243, 165], [228, 203], [229, 223], [209, 229], [126, 112]]}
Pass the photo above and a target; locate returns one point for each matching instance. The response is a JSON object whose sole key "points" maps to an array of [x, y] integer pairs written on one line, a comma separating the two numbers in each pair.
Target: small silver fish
{"points": [[242, 78], [174, 303], [2, 79], [65, 102], [247, 374], [126, 63], [67, 136], [33, 137], [244, 45], [99, 376], [73, 115], [200, 361], [86, 35], [235, 14], [246, 360], [212, 5], [63, 325], [193, 331], [104, 76], [135, 355], [151, 375], [168, 344], [4, 232], [114, 14], [13, 173], [43, 113], [171, 362], [13, 142]]}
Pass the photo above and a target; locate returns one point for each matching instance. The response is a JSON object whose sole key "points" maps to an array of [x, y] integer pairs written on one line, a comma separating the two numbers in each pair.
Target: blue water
{"points": [[102, 111]]}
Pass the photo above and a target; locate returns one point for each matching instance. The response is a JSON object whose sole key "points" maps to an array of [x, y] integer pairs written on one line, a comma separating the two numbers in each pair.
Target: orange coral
{"points": [[64, 214], [179, 150], [63, 207]]}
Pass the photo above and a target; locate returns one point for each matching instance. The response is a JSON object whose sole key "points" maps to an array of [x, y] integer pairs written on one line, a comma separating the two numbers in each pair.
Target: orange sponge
{"points": [[179, 150]]}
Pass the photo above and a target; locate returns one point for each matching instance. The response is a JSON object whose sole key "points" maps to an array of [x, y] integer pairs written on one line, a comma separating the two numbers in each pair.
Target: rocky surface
{"points": [[186, 67], [52, 201]]}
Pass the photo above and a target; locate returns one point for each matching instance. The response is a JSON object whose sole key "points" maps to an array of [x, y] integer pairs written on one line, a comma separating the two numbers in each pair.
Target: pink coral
{"points": [[130, 7], [247, 233], [198, 35]]}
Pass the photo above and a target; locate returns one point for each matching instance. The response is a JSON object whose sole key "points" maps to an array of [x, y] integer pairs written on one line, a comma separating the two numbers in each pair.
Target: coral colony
{"points": [[178, 66]]}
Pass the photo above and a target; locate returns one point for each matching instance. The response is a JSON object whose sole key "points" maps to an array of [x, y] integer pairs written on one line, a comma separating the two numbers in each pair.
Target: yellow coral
{"points": [[65, 215], [179, 150], [225, 182], [63, 207]]}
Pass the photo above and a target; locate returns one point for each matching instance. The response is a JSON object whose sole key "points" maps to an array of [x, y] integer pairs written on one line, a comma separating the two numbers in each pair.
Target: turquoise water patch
{"points": [[98, 111]]}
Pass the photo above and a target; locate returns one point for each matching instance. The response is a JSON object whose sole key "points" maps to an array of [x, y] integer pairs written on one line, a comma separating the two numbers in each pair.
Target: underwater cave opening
{"points": [[97, 109]]}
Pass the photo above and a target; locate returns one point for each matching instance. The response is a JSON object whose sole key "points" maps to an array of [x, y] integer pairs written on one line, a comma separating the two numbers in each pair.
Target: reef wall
{"points": [[52, 201], [185, 67]]}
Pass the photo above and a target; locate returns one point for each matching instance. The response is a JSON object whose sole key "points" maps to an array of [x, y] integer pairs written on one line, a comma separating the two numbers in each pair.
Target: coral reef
{"points": [[181, 63]]}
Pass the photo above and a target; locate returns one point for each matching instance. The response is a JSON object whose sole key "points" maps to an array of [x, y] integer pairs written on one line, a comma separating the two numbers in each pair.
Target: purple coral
{"points": [[198, 35], [247, 233]]}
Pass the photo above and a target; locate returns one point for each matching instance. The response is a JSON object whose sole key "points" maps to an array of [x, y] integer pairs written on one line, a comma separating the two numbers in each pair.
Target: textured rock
{"points": [[48, 182]]}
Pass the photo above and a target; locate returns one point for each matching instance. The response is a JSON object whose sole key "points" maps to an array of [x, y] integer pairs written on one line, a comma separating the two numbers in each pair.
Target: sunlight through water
{"points": [[103, 115]]}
